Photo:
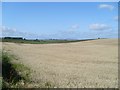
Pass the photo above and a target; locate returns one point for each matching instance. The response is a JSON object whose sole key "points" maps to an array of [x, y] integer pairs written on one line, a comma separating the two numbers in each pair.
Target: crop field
{"points": [[87, 64]]}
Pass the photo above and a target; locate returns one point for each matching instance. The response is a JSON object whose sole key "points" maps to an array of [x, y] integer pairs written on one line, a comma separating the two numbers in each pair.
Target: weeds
{"points": [[13, 74]]}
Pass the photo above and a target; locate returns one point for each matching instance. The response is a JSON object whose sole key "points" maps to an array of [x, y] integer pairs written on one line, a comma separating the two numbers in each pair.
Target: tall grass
{"points": [[11, 77]]}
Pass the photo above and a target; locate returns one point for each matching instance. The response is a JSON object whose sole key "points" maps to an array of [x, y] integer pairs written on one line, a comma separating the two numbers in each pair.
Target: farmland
{"points": [[46, 41], [87, 64]]}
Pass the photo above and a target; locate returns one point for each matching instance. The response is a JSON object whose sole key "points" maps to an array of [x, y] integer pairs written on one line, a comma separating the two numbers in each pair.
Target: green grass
{"points": [[0, 70], [14, 75], [40, 41]]}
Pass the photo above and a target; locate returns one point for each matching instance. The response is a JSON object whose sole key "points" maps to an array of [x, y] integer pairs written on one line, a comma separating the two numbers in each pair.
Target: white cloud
{"points": [[76, 26], [116, 18], [97, 26], [4, 29], [11, 32], [106, 6]]}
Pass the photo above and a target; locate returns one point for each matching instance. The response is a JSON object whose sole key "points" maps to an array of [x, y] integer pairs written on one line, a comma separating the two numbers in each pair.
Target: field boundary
{"points": [[14, 74], [50, 41]]}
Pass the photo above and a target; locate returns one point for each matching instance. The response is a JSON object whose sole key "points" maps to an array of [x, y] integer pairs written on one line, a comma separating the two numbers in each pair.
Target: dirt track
{"points": [[81, 64]]}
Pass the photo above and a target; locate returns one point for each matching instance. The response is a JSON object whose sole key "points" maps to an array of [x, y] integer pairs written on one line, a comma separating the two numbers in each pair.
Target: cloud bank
{"points": [[96, 30], [12, 32], [97, 26]]}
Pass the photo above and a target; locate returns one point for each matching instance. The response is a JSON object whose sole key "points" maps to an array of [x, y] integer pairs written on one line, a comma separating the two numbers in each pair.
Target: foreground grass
{"points": [[0, 70], [14, 75]]}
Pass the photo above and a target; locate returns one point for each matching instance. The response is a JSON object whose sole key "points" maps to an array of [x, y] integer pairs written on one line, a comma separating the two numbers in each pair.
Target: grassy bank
{"points": [[0, 70], [14, 75]]}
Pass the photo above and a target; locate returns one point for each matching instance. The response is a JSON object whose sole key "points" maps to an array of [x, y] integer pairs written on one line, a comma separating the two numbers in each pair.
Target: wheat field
{"points": [[90, 64]]}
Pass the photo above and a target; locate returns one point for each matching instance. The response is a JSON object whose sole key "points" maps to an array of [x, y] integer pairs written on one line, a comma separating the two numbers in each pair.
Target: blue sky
{"points": [[63, 20]]}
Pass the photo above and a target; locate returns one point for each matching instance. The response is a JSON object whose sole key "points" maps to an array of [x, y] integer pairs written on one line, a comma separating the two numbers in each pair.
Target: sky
{"points": [[60, 20], [60, 0]]}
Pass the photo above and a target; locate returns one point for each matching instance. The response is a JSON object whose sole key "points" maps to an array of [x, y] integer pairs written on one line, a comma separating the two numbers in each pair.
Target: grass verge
{"points": [[14, 74]]}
